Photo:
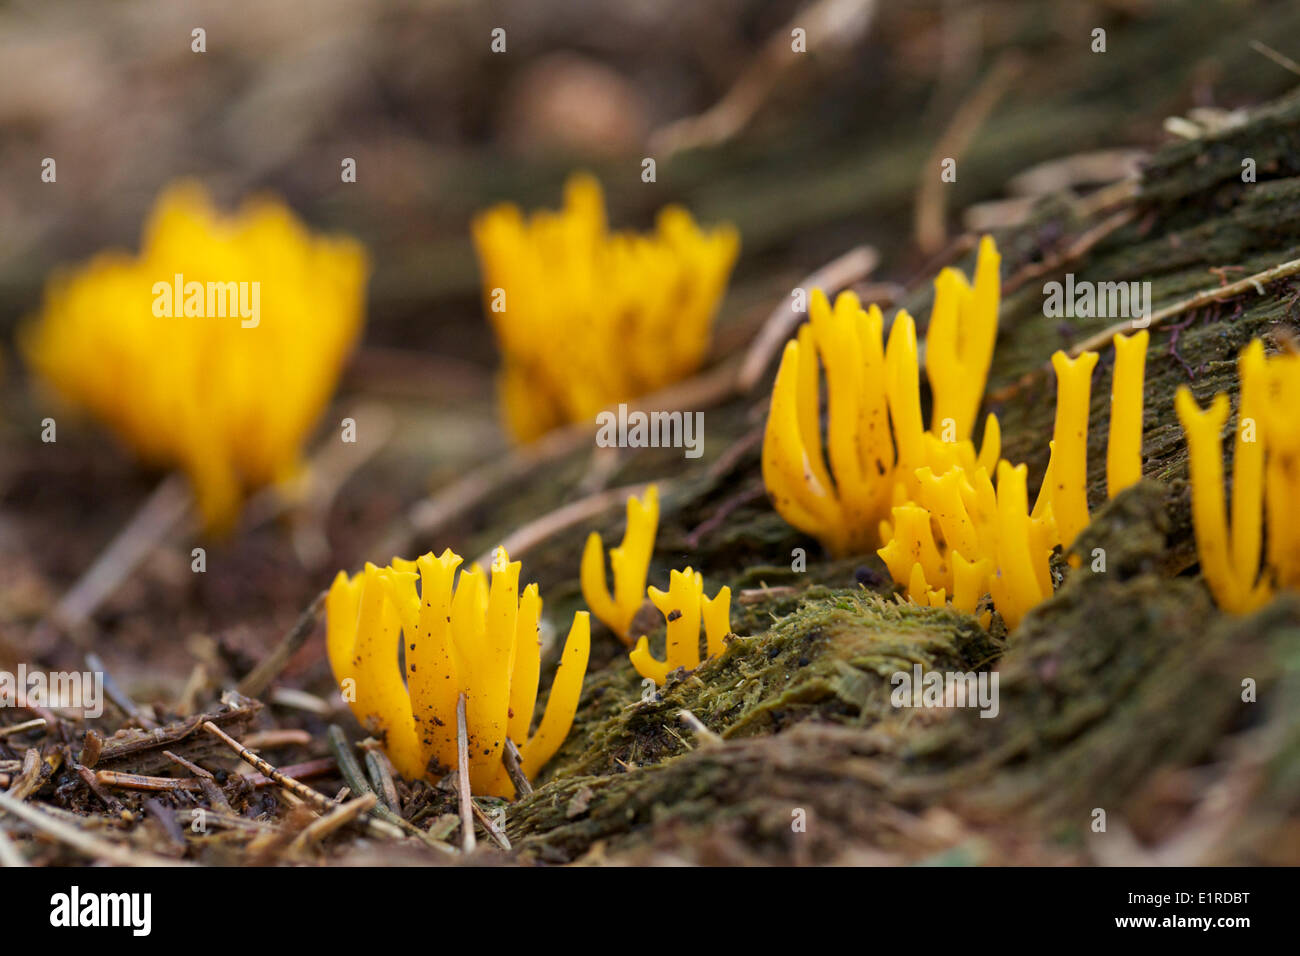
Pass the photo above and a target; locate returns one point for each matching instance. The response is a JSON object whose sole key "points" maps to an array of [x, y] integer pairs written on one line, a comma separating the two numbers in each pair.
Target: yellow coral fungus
{"points": [[952, 534], [1069, 490], [959, 342], [1124, 442], [875, 436], [586, 318], [215, 349], [1265, 482], [684, 606], [630, 562], [1066, 484], [456, 636]]}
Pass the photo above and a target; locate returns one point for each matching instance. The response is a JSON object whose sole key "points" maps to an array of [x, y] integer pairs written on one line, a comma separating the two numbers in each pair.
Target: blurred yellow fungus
{"points": [[630, 562], [1265, 482], [586, 318], [457, 636], [215, 349], [875, 435], [685, 606]]}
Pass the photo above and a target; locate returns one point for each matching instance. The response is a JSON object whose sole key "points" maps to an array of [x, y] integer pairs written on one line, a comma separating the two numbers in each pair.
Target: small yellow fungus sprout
{"points": [[875, 437], [630, 562], [215, 349], [684, 606], [473, 638], [587, 318], [1265, 482]]}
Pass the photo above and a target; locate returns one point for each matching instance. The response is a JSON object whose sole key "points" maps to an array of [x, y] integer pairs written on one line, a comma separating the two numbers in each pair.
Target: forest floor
{"points": [[1121, 693]]}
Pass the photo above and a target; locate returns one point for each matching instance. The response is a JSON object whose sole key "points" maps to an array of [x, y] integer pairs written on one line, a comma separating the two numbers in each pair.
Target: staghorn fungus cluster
{"points": [[586, 317], [176, 349]]}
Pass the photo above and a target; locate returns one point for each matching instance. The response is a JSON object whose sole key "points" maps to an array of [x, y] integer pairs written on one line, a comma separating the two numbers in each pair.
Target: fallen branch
{"points": [[697, 726], [493, 830], [118, 696], [430, 516]]}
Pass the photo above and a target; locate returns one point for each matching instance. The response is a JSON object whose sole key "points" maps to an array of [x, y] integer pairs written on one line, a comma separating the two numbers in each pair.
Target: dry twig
{"points": [[1205, 297], [19, 728], [464, 797], [839, 273], [338, 817]]}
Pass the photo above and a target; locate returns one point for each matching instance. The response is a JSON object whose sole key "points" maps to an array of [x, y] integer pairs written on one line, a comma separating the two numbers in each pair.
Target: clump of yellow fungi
{"points": [[959, 538], [587, 318], [875, 438], [1265, 482], [684, 606], [458, 636], [987, 542], [630, 562], [215, 349]]}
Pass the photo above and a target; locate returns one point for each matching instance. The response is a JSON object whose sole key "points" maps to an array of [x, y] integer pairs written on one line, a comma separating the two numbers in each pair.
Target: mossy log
{"points": [[1123, 693]]}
